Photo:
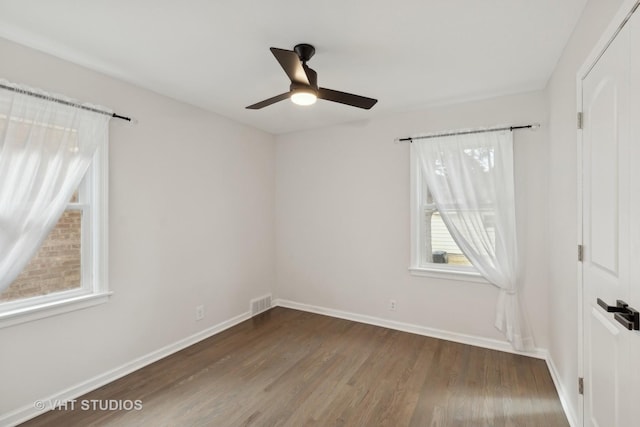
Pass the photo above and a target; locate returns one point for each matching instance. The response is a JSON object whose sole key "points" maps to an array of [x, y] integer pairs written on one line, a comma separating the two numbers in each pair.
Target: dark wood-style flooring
{"points": [[292, 368]]}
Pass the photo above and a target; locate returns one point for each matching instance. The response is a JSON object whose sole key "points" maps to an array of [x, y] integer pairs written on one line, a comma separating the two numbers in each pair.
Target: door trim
{"points": [[627, 8]]}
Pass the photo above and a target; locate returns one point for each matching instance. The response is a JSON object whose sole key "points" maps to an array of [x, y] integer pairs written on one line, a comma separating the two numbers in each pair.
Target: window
{"points": [[434, 252], [69, 270]]}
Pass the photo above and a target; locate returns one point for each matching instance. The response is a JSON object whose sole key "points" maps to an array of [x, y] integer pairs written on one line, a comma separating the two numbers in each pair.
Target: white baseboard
{"points": [[29, 411], [562, 394], [539, 353], [489, 343]]}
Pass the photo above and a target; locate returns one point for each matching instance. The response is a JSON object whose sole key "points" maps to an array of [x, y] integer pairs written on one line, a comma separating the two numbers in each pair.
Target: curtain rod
{"points": [[62, 101], [468, 132]]}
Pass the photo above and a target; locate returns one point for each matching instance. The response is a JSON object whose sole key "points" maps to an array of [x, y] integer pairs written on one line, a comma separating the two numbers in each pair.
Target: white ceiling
{"points": [[408, 54]]}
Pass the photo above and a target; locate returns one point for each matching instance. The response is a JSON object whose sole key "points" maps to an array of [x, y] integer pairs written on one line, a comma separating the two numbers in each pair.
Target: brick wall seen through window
{"points": [[57, 264]]}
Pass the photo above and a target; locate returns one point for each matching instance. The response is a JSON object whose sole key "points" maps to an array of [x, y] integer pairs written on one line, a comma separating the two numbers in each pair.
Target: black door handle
{"points": [[620, 307], [625, 315]]}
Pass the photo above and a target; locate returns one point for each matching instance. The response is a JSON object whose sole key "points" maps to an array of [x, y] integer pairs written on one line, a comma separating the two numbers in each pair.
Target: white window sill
{"points": [[448, 273], [51, 308]]}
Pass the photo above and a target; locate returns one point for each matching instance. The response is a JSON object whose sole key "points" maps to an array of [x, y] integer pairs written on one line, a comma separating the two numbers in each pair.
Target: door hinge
{"points": [[580, 120], [581, 385], [580, 253]]}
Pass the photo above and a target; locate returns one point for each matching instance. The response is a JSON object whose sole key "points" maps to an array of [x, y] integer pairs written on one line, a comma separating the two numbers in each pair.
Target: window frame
{"points": [[418, 267], [93, 202]]}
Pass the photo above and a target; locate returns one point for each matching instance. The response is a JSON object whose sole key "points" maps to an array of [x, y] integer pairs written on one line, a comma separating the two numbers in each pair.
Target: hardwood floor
{"points": [[291, 368]]}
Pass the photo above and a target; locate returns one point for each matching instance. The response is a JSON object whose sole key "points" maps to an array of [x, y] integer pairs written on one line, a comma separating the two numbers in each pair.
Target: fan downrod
{"points": [[305, 51]]}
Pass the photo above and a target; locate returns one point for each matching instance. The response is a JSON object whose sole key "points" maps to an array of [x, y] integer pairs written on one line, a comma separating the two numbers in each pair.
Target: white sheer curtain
{"points": [[471, 180], [45, 150]]}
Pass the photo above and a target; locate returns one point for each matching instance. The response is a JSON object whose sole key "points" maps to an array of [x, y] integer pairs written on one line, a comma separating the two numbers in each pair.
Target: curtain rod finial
{"points": [[129, 122], [399, 140]]}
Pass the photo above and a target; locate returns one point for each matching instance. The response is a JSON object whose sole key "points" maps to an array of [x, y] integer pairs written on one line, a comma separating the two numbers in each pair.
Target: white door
{"points": [[611, 231]]}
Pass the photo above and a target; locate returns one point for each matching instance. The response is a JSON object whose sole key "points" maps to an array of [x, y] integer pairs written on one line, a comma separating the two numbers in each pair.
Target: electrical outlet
{"points": [[392, 305], [200, 312]]}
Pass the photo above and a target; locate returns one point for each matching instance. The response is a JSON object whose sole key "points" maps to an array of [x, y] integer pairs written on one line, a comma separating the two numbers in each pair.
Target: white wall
{"points": [[191, 222], [342, 219], [561, 92]]}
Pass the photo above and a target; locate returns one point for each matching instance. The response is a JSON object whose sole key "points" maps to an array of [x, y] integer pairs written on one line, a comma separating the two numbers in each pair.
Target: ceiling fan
{"points": [[304, 88]]}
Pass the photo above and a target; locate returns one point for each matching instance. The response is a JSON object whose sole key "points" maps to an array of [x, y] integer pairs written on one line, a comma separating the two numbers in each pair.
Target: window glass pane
{"points": [[57, 265], [444, 248], [74, 197]]}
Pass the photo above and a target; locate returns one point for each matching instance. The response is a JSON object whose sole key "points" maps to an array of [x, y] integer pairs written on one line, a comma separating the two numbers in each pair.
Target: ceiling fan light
{"points": [[304, 97]]}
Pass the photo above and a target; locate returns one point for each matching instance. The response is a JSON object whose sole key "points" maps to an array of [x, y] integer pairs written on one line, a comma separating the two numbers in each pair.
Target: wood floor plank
{"points": [[292, 368]]}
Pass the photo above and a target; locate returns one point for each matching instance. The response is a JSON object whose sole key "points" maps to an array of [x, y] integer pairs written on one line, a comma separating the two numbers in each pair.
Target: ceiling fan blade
{"points": [[291, 65], [346, 98], [269, 101]]}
